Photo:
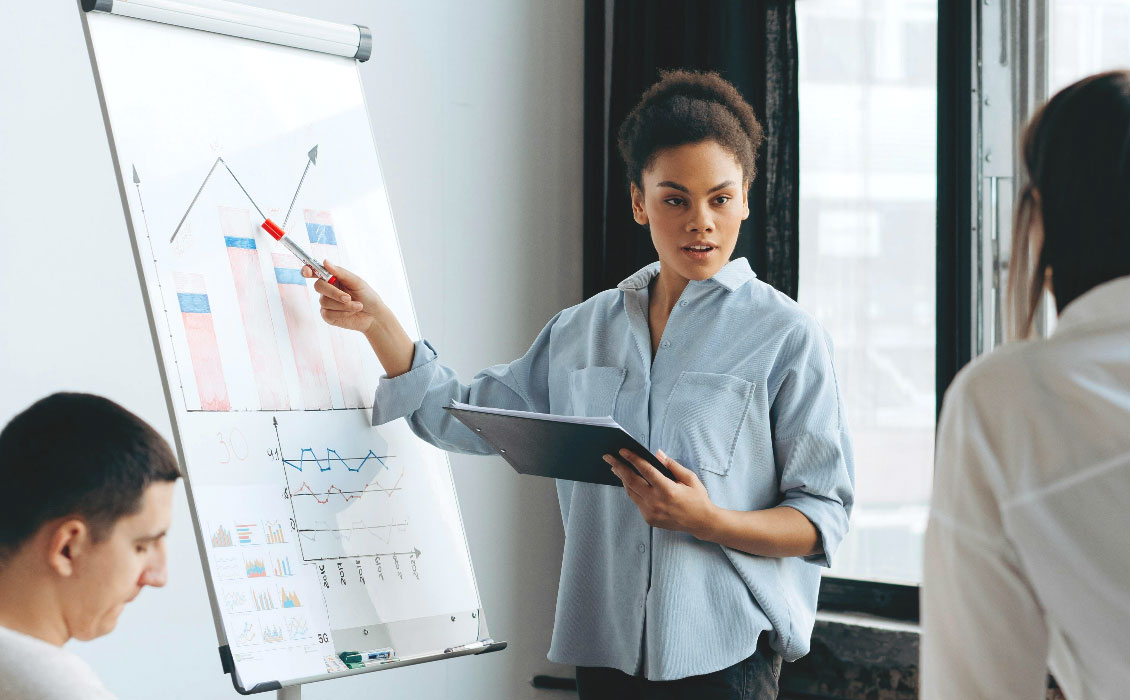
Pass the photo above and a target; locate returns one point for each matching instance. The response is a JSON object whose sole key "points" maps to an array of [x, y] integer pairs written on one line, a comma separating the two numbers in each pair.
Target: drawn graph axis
{"points": [[309, 534], [160, 287]]}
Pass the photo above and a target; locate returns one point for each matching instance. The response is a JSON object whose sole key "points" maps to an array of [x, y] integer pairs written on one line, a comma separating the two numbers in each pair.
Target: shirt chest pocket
{"points": [[704, 419], [593, 390]]}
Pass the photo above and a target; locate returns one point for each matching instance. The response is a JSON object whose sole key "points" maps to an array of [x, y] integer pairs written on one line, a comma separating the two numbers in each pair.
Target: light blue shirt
{"points": [[742, 391]]}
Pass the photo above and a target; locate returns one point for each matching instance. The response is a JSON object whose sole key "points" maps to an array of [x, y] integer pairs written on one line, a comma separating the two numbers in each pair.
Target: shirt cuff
{"points": [[828, 517], [402, 395]]}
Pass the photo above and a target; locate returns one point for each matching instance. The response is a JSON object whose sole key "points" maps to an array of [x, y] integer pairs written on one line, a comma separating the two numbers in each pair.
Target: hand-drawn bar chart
{"points": [[274, 532], [300, 323], [254, 345], [203, 348], [221, 537], [282, 567], [246, 533], [323, 243], [263, 600], [252, 294]]}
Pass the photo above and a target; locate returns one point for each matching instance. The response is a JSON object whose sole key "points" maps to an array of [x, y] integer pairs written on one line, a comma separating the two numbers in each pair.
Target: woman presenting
{"points": [[696, 587]]}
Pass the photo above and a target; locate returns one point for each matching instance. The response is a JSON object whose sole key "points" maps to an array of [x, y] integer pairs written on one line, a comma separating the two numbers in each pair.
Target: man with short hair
{"points": [[82, 531]]}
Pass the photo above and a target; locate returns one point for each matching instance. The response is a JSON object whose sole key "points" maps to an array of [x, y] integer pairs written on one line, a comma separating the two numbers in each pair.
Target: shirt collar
{"points": [[1108, 302], [735, 274]]}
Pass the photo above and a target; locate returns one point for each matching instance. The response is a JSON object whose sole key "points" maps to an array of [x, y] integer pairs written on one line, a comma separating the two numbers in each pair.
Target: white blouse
{"points": [[1027, 563]]}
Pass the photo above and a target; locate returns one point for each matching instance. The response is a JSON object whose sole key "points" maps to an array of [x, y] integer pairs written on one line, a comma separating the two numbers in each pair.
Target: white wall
{"points": [[476, 109]]}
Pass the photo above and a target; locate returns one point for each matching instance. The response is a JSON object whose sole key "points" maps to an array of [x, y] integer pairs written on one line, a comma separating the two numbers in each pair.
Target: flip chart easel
{"points": [[319, 534]]}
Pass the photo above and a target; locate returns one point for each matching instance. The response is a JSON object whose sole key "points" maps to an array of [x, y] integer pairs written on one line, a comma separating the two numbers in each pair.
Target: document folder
{"points": [[559, 447]]}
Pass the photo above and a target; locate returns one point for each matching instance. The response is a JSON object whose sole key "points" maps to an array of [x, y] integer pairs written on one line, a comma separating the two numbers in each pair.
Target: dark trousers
{"points": [[753, 679]]}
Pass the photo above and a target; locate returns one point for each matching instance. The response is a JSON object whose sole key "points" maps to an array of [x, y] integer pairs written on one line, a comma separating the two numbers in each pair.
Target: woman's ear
{"points": [[745, 199], [638, 211]]}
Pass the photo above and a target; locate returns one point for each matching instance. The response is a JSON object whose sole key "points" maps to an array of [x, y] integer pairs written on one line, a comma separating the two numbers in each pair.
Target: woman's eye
{"points": [[723, 199], [673, 201]]}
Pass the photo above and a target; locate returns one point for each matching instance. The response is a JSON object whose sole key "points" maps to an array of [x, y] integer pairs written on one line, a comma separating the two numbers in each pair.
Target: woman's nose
{"points": [[701, 220]]}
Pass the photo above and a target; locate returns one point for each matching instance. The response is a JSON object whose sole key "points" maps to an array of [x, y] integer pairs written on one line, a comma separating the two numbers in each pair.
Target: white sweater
{"points": [[32, 669]]}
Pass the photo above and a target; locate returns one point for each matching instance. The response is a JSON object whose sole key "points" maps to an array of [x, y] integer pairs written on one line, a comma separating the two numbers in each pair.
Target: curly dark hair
{"points": [[684, 107]]}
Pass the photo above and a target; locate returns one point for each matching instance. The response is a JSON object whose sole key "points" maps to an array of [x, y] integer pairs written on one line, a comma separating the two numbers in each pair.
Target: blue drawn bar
{"points": [[194, 303], [321, 233], [232, 242], [288, 275]]}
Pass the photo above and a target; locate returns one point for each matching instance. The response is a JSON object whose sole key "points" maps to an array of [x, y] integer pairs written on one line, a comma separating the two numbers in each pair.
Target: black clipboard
{"points": [[558, 447]]}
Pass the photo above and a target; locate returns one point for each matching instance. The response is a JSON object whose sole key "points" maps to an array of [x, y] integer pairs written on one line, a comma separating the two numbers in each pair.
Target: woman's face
{"points": [[694, 198]]}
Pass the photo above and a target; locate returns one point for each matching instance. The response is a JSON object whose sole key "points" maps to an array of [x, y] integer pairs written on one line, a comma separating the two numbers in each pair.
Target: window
{"points": [[1085, 37], [868, 192], [868, 139]]}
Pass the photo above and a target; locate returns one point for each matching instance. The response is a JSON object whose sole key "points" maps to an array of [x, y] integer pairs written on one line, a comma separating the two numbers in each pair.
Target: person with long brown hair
{"points": [[1027, 563]]}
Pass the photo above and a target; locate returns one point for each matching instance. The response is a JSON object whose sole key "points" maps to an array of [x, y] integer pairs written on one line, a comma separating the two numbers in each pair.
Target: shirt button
{"points": [[666, 343], [641, 548], [684, 302]]}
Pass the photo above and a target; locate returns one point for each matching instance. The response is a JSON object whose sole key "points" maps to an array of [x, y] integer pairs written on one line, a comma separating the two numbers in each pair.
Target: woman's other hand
{"points": [[680, 504]]}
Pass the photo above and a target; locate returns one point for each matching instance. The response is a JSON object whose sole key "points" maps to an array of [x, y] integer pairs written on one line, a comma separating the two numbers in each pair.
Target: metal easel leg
{"points": [[293, 692]]}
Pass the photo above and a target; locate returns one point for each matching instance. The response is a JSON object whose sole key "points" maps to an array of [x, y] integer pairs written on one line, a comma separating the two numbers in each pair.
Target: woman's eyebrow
{"points": [[677, 186]]}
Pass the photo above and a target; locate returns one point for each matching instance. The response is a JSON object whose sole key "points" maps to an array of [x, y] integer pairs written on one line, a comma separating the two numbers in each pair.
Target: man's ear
{"points": [[68, 540], [638, 211]]}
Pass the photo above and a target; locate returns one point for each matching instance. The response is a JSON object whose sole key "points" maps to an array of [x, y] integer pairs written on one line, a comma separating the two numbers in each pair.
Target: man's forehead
{"points": [[154, 513]]}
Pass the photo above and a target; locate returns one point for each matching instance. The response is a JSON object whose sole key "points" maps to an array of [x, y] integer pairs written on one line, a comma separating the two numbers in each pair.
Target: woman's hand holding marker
{"points": [[353, 305], [345, 305]]}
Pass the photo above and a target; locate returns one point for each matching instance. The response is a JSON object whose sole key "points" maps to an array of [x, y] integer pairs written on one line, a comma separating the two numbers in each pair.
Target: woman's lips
{"points": [[698, 252]]}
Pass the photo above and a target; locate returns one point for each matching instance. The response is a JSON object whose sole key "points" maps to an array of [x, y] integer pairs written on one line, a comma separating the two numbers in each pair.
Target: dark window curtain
{"points": [[751, 43]]}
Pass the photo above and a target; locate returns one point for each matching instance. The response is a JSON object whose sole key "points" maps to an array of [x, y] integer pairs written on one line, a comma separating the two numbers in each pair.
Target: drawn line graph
{"points": [[332, 516], [297, 627], [324, 497], [249, 633], [383, 533], [303, 462]]}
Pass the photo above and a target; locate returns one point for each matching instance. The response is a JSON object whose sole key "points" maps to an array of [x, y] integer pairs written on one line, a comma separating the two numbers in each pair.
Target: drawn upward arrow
{"points": [[312, 159]]}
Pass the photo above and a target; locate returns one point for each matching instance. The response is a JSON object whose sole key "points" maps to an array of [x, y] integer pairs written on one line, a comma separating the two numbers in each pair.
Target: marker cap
{"points": [[272, 228]]}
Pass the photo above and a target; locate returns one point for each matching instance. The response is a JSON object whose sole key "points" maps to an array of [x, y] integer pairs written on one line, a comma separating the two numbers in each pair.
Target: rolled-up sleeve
{"points": [[420, 394], [811, 443]]}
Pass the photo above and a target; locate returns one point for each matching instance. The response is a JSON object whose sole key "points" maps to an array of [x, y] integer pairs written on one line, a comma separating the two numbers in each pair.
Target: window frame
{"points": [[957, 65]]}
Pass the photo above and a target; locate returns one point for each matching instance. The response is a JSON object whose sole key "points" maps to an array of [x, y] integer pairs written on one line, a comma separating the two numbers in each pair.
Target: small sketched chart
{"points": [[227, 567], [221, 537], [255, 568], [261, 587]]}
